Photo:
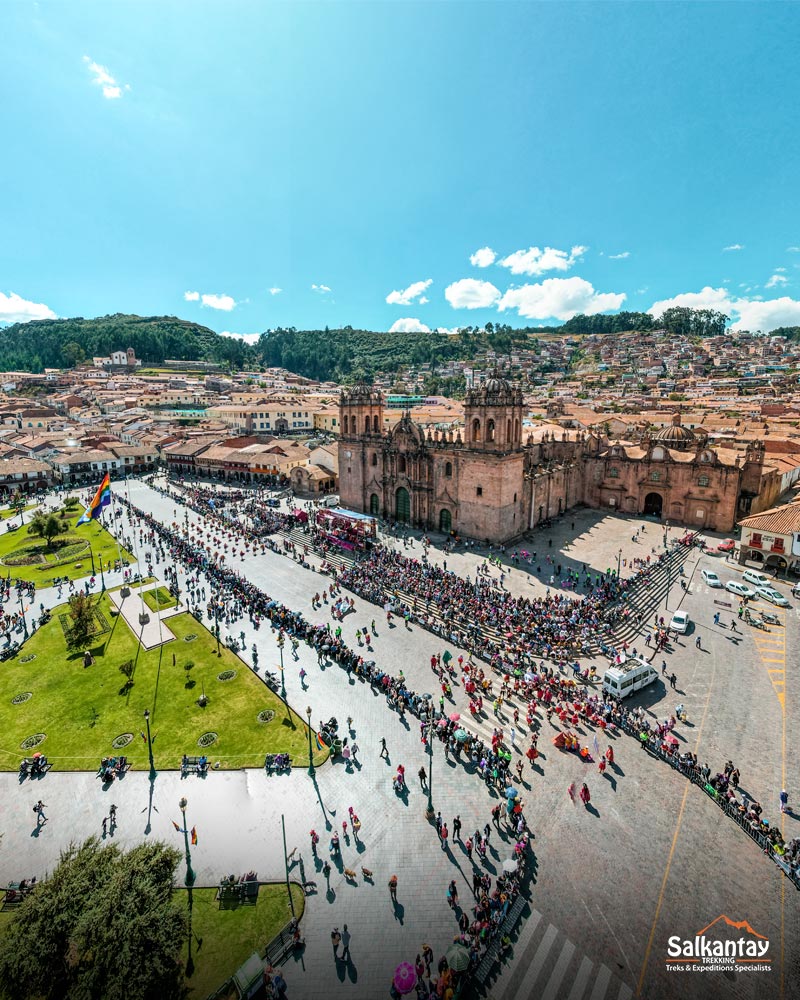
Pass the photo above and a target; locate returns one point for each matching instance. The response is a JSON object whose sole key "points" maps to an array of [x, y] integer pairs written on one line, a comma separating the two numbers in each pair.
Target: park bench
{"points": [[34, 765], [194, 765]]}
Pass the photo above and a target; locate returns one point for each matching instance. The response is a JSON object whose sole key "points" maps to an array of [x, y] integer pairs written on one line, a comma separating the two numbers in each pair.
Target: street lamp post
{"points": [[190, 875], [429, 808], [216, 626], [310, 748], [102, 578], [149, 743], [619, 559], [22, 611], [91, 554], [281, 641]]}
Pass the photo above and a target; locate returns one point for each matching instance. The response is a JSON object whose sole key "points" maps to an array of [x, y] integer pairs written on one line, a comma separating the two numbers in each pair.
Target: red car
{"points": [[727, 546]]}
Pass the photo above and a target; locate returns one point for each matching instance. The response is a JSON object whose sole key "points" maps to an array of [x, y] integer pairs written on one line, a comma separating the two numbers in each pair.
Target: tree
{"points": [[46, 526], [81, 613], [73, 353], [103, 925]]}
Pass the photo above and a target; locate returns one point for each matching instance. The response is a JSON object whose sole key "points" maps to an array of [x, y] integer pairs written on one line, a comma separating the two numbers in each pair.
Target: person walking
{"points": [[384, 752], [784, 800], [457, 828], [423, 777], [571, 791], [393, 888], [698, 644], [39, 809], [586, 798], [673, 680], [105, 826], [345, 943], [733, 625], [336, 938], [443, 836], [112, 816]]}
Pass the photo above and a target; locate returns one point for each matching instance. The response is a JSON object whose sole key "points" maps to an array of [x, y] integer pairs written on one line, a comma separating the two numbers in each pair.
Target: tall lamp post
{"points": [[619, 559], [429, 809], [310, 749], [102, 578], [216, 626], [22, 612], [190, 875], [281, 641], [149, 743]]}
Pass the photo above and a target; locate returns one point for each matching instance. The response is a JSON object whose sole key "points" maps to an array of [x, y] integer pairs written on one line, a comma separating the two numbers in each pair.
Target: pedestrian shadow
{"points": [[399, 912], [591, 808], [330, 895], [612, 780]]}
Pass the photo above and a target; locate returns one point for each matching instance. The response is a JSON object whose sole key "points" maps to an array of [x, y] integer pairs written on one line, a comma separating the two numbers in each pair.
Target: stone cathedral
{"points": [[491, 484]]}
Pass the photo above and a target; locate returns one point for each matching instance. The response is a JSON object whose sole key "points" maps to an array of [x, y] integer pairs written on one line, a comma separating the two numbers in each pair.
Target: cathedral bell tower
{"points": [[360, 411], [493, 417]]}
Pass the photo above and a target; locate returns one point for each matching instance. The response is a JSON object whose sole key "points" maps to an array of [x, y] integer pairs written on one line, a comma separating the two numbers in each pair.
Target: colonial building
{"points": [[490, 484]]}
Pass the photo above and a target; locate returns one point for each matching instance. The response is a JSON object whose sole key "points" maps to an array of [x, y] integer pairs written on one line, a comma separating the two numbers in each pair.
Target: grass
{"points": [[159, 598], [83, 709], [222, 940], [13, 512], [80, 561]]}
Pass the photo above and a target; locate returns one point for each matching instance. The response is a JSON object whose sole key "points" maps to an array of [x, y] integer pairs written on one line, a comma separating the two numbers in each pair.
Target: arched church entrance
{"points": [[402, 505], [653, 505], [445, 521]]}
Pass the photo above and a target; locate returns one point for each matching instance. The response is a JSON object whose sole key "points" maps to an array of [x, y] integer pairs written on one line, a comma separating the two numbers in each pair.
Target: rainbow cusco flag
{"points": [[101, 499]]}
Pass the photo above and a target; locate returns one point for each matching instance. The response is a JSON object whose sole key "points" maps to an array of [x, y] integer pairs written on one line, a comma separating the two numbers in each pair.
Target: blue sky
{"points": [[249, 165]]}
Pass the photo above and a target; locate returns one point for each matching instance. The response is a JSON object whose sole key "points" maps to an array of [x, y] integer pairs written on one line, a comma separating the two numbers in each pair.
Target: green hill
{"points": [[58, 343]]}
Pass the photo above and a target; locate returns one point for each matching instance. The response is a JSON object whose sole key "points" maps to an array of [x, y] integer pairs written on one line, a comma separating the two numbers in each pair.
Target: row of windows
{"points": [[349, 425], [491, 430]]}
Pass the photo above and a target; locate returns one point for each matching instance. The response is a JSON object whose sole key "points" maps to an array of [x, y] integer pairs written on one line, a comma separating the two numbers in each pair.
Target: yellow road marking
{"points": [[674, 844]]}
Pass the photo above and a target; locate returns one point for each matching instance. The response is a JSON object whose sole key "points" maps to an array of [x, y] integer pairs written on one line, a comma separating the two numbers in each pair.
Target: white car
{"points": [[711, 578], [757, 579], [680, 622], [773, 596], [739, 589]]}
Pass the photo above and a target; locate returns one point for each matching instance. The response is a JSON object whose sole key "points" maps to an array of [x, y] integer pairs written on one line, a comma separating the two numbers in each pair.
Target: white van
{"points": [[632, 675], [756, 578]]}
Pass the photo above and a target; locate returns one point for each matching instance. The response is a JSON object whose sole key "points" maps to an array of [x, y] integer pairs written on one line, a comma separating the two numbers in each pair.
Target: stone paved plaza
{"points": [[653, 858]]}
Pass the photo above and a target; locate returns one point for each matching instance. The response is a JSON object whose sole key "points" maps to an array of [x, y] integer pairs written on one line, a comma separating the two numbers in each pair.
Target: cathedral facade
{"points": [[491, 484]]}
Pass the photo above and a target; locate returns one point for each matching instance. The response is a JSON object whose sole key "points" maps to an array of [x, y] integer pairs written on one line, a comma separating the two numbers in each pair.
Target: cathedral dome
{"points": [[496, 386], [676, 435]]}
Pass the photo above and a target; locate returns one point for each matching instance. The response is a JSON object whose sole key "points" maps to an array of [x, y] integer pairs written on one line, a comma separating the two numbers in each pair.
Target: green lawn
{"points": [[77, 552], [163, 601], [83, 709], [13, 512], [222, 940]]}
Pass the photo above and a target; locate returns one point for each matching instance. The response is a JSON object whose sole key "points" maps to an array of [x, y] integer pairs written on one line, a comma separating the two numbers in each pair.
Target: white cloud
{"points": [[450, 331], [767, 315], [620, 256], [102, 78], [781, 269], [708, 298], [559, 298], [408, 325], [407, 295], [483, 257], [424, 300], [775, 280], [536, 261], [191, 296], [223, 302], [275, 291], [248, 338], [320, 288], [793, 249], [469, 293], [748, 314], [733, 246], [15, 309]]}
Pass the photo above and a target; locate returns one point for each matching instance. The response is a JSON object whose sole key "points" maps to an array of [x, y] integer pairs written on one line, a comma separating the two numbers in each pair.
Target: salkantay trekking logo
{"points": [[714, 952]]}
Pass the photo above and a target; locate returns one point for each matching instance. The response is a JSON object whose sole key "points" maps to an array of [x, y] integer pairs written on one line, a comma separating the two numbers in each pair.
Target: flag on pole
{"points": [[176, 826], [102, 498], [194, 836], [319, 744]]}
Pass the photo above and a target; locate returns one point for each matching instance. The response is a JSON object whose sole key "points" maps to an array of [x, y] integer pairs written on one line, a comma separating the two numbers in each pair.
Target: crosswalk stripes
{"points": [[546, 965]]}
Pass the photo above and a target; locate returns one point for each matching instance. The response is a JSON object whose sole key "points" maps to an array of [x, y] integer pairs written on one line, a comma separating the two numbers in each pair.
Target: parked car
{"points": [[680, 622], [773, 596], [757, 579], [727, 546], [739, 589], [711, 578]]}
